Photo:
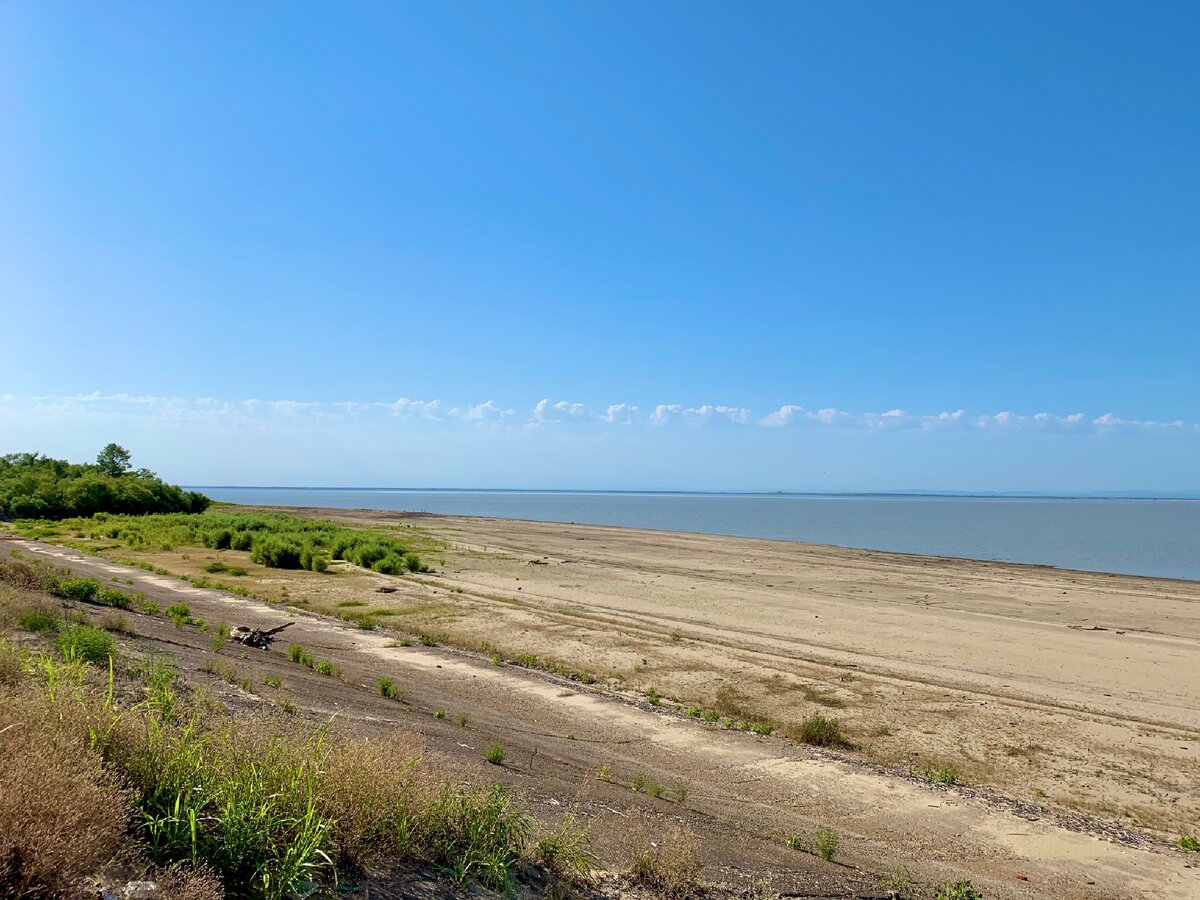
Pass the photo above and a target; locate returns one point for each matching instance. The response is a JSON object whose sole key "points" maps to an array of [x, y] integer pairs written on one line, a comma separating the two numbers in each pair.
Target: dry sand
{"points": [[1068, 702]]}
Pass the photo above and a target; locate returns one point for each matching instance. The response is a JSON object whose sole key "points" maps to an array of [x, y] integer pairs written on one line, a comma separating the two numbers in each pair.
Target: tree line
{"points": [[33, 486]]}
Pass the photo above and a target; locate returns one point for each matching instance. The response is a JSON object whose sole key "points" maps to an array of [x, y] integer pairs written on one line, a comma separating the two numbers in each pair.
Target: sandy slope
{"points": [[961, 657]]}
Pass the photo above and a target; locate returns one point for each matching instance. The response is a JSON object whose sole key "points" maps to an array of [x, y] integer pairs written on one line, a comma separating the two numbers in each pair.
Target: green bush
{"points": [[495, 754], [39, 620], [113, 597], [81, 590], [179, 614], [87, 643]]}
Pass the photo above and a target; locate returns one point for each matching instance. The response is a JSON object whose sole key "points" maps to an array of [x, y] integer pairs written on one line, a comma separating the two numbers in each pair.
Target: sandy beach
{"points": [[1060, 708]]}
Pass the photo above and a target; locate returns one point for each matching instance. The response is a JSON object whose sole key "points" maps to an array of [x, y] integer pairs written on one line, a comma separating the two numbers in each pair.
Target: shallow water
{"points": [[1135, 537]]}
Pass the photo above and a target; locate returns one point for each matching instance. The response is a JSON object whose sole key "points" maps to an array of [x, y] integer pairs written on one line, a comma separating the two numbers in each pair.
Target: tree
{"points": [[114, 460]]}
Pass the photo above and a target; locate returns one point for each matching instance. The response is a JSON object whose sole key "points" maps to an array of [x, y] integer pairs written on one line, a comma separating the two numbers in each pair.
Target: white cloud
{"points": [[297, 413], [560, 411], [620, 413]]}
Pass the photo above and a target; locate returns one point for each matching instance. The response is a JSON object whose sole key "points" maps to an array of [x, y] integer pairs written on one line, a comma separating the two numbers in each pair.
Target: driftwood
{"points": [[255, 637]]}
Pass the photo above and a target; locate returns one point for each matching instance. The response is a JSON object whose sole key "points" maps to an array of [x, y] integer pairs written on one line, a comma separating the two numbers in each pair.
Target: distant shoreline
{"points": [[933, 495]]}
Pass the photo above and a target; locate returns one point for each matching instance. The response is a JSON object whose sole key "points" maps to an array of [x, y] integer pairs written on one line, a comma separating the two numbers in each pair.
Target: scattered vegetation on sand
{"points": [[274, 540]]}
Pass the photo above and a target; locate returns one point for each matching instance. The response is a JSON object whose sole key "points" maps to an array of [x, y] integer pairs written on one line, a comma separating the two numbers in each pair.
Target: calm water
{"points": [[1136, 537]]}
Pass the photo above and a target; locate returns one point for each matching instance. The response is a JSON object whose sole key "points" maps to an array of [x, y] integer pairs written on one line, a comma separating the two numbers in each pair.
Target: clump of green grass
{"points": [[526, 659], [763, 728], [605, 772], [654, 789], [942, 775], [826, 843], [83, 642], [1189, 842], [796, 842], [148, 607], [325, 667], [297, 654], [681, 791], [652, 697], [388, 689], [956, 890], [639, 781], [463, 720], [273, 681], [439, 714], [217, 568], [42, 620], [426, 640], [565, 851], [495, 754], [818, 730]]}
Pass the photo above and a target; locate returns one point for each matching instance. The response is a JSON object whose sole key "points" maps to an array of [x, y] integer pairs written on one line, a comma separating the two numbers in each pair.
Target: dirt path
{"points": [[744, 793]]}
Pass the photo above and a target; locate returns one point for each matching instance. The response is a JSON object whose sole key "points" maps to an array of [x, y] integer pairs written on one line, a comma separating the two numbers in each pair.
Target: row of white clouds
{"points": [[548, 412]]}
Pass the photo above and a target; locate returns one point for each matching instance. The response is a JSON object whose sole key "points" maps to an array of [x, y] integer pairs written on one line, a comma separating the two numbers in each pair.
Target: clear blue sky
{"points": [[774, 209]]}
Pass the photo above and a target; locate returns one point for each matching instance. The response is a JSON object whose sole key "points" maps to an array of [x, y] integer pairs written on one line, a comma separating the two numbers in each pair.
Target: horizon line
{"points": [[909, 492]]}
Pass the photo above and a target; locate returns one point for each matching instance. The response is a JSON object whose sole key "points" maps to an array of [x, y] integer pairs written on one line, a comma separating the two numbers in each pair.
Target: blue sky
{"points": [[305, 244]]}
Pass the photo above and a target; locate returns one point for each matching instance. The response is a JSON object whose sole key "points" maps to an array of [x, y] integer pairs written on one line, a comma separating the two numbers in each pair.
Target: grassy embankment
{"points": [[254, 543], [107, 755]]}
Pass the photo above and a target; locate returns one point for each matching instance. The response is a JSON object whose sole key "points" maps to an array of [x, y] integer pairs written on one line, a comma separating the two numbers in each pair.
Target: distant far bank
{"points": [[982, 495], [1120, 535]]}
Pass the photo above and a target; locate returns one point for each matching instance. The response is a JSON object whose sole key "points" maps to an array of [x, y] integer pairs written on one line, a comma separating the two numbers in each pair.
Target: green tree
{"points": [[114, 460]]}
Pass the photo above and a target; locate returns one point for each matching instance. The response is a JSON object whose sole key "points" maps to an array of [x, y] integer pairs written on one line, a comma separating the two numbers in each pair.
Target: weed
{"points": [[681, 791], [1189, 842], [605, 772], [652, 697], [113, 597], [495, 754], [655, 789], [273, 681], [942, 775], [639, 781], [819, 731], [39, 620], [668, 866], [441, 714], [82, 642], [762, 728], [565, 852], [796, 842], [111, 620], [179, 614], [526, 659], [325, 667], [827, 842], [297, 654], [81, 590], [288, 707], [387, 688], [148, 607], [899, 880], [676, 637], [956, 890], [462, 720], [426, 640]]}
